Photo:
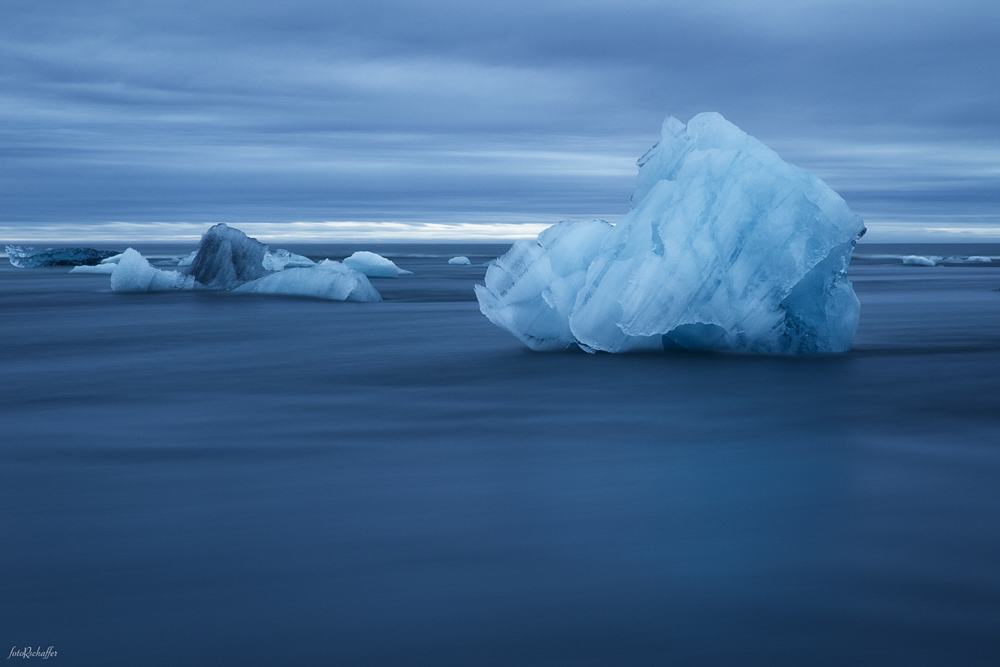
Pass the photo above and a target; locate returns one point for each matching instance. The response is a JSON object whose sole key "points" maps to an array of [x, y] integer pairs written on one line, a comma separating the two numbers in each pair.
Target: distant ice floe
{"points": [[917, 260], [374, 265], [726, 247], [461, 259], [27, 257], [229, 260]]}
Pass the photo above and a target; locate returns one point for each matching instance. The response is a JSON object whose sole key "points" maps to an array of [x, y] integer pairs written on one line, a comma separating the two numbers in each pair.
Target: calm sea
{"points": [[204, 478]]}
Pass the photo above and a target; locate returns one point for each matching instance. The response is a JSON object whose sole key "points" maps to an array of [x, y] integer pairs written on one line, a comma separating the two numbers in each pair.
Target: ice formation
{"points": [[374, 265], [917, 260], [726, 247], [979, 259], [226, 258], [281, 259], [102, 268], [461, 259], [531, 290], [26, 257], [114, 259], [328, 280], [134, 274], [187, 261]]}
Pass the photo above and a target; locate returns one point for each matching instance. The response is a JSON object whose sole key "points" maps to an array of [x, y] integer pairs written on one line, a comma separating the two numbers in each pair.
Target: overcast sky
{"points": [[477, 113]]}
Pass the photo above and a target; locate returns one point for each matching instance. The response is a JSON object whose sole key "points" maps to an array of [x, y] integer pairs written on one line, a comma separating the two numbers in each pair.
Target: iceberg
{"points": [[226, 258], [726, 246], [532, 289], [979, 259], [27, 257], [114, 259], [374, 265], [133, 273], [461, 259], [100, 269], [917, 260], [282, 259], [328, 280], [187, 261]]}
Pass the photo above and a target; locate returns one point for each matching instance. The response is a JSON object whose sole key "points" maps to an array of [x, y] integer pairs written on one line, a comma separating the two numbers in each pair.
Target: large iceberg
{"points": [[26, 257], [726, 247]]}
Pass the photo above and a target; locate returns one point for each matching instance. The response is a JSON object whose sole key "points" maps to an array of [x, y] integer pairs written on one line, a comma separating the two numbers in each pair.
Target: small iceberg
{"points": [[979, 259], [328, 280], [133, 273], [27, 257], [187, 261], [281, 259], [374, 265], [461, 259], [917, 260]]}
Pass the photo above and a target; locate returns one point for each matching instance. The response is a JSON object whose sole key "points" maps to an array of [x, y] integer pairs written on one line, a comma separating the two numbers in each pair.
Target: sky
{"points": [[320, 120]]}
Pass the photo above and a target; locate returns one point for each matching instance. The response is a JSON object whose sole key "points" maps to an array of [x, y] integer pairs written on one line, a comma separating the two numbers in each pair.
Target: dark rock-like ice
{"points": [[227, 258], [26, 257]]}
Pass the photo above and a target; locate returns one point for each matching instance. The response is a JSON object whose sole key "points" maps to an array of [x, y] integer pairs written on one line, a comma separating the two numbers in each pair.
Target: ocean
{"points": [[220, 479]]}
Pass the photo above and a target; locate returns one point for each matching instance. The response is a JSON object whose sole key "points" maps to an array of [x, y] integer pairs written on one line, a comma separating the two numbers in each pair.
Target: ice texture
{"points": [[531, 290], [461, 259], [374, 265], [282, 259], [917, 260], [133, 273], [726, 247], [226, 258], [27, 257], [114, 259], [328, 280]]}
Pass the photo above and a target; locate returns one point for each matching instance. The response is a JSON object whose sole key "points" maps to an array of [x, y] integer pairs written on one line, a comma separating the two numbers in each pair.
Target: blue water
{"points": [[203, 478]]}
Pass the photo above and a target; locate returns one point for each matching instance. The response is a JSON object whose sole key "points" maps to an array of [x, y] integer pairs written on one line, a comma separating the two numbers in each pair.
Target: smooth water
{"points": [[204, 478]]}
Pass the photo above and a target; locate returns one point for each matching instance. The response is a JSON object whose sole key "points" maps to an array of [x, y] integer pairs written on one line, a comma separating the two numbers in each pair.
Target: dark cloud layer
{"points": [[215, 110]]}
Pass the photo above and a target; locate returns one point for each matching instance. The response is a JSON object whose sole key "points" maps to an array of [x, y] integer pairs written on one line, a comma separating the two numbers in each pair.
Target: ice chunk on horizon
{"points": [[726, 247], [328, 280], [133, 273], [979, 259], [28, 257], [227, 258], [374, 265], [461, 259], [917, 260]]}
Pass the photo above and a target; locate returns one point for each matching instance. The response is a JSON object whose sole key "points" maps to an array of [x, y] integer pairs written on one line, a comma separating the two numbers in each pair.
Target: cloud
{"points": [[381, 111]]}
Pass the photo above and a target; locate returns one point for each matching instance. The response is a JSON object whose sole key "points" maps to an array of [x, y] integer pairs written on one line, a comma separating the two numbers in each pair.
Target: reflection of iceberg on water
{"points": [[229, 260], [726, 247]]}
